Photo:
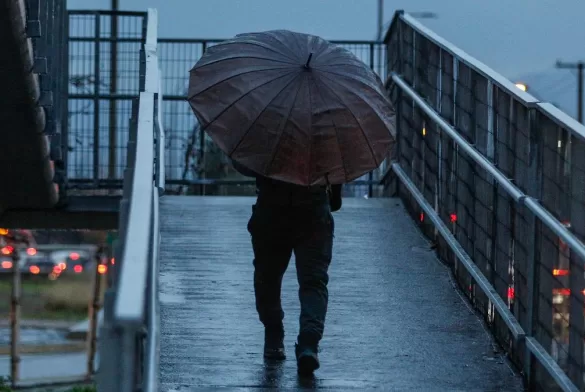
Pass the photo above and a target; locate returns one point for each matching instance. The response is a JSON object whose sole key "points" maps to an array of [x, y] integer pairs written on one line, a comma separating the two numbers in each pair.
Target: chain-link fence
{"points": [[482, 155]]}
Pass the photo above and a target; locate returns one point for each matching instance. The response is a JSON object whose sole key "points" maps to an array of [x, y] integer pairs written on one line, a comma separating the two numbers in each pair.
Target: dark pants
{"points": [[279, 227]]}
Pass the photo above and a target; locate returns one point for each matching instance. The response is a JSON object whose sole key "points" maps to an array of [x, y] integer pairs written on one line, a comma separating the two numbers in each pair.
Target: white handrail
{"points": [[130, 305]]}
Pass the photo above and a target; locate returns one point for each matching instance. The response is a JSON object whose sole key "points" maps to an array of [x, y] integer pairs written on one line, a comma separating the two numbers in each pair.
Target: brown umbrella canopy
{"points": [[293, 107]]}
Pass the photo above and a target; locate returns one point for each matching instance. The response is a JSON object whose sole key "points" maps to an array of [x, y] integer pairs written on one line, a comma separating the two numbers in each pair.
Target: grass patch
{"points": [[65, 299], [5, 382]]}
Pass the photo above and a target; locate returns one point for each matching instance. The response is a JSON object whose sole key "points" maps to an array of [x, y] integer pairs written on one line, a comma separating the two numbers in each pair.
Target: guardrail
{"points": [[497, 179], [129, 342]]}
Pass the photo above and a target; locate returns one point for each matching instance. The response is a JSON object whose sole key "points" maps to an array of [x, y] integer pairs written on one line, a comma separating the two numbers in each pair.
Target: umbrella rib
{"points": [[336, 131], [356, 120], [269, 165], [240, 56], [240, 74], [277, 38], [366, 85], [350, 76], [237, 41], [242, 97], [261, 113], [357, 95]]}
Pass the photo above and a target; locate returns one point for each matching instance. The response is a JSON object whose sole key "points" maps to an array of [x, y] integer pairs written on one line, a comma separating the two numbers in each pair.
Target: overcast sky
{"points": [[513, 37]]}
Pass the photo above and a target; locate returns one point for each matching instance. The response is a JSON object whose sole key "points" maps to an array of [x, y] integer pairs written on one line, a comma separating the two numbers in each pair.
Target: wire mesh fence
{"points": [[193, 163], [535, 146], [104, 65]]}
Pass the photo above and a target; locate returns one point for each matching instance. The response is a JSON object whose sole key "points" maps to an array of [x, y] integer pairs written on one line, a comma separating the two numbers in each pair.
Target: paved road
{"points": [[395, 321], [53, 366]]}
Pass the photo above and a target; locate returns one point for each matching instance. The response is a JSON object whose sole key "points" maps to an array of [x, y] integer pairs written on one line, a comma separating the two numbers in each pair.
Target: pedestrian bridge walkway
{"points": [[395, 319], [486, 178]]}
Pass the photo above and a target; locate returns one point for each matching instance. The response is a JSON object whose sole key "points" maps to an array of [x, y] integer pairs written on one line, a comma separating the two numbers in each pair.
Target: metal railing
{"points": [[497, 180], [104, 79], [129, 341]]}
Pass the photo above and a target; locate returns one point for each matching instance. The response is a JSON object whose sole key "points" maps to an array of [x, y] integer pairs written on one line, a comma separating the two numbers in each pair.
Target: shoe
{"points": [[307, 358], [274, 344]]}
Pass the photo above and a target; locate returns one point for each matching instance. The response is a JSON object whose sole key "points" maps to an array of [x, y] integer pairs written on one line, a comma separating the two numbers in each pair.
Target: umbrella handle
{"points": [[309, 60]]}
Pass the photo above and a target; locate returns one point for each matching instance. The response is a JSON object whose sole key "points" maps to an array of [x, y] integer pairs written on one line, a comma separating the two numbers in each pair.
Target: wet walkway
{"points": [[395, 322]]}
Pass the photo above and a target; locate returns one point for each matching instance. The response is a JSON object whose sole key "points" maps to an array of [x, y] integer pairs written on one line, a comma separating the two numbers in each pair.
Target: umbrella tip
{"points": [[309, 60]]}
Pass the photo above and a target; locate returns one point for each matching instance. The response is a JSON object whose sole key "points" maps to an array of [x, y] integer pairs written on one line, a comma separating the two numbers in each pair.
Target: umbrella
{"points": [[293, 107]]}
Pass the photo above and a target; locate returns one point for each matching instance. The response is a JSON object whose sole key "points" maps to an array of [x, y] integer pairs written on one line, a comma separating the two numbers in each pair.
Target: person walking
{"points": [[303, 116], [290, 218]]}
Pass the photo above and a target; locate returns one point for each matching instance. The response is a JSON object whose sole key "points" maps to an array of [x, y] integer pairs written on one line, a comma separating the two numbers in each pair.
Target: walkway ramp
{"points": [[395, 318]]}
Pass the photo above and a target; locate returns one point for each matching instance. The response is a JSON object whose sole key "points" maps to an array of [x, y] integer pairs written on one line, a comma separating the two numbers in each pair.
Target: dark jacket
{"points": [[262, 182]]}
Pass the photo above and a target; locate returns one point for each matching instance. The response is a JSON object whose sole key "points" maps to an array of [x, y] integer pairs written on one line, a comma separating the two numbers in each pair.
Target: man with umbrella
{"points": [[303, 116]]}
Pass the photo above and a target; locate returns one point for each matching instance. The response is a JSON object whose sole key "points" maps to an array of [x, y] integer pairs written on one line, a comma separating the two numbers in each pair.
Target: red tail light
{"points": [[511, 292], [7, 264], [78, 269], [560, 272], [74, 256], [562, 291], [31, 251], [34, 269], [7, 250]]}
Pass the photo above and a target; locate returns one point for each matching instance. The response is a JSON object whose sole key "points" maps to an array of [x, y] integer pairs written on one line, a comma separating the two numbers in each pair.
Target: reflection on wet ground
{"points": [[394, 321]]}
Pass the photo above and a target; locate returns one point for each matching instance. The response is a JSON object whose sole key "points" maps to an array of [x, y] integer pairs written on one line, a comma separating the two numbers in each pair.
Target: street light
{"points": [[522, 86]]}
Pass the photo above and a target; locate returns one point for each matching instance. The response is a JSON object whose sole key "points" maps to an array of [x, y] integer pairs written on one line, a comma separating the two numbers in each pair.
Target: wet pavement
{"points": [[395, 320]]}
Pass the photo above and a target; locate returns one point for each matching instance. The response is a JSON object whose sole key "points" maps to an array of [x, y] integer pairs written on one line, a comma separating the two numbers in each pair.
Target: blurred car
{"points": [[78, 262], [6, 264], [36, 262]]}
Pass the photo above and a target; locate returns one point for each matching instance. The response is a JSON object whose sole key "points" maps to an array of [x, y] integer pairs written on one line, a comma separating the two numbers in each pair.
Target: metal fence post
{"points": [[399, 96], [15, 318], [576, 274], [96, 102], [94, 308], [371, 174], [534, 190]]}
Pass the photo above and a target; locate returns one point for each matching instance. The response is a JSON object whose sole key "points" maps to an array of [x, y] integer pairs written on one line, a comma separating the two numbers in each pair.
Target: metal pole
{"points": [[94, 308], [113, 89], [202, 145], [15, 319], [371, 173], [96, 101], [579, 66], [580, 92], [380, 19]]}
